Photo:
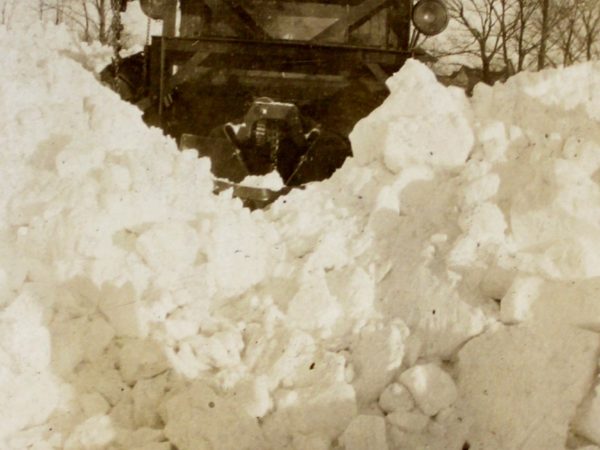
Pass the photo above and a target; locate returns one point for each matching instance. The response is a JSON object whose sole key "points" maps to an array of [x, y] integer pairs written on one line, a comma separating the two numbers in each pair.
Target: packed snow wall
{"points": [[440, 291]]}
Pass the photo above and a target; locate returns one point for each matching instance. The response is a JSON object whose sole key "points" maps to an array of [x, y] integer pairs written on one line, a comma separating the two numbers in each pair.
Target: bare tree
{"points": [[91, 17], [86, 20], [60, 11], [589, 12], [507, 29], [482, 20], [529, 33], [565, 32], [102, 12], [545, 12], [7, 8], [523, 41]]}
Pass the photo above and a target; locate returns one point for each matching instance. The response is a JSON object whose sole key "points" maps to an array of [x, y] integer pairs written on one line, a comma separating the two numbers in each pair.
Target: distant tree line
{"points": [[514, 35], [91, 18]]}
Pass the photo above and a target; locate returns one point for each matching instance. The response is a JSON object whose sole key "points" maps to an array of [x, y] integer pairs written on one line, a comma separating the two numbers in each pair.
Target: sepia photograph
{"points": [[300, 225]]}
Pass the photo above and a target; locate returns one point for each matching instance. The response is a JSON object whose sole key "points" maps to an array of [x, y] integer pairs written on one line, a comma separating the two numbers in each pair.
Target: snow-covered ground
{"points": [[440, 291]]}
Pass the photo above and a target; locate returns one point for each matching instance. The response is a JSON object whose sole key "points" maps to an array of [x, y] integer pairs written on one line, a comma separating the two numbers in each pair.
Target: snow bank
{"points": [[439, 291]]}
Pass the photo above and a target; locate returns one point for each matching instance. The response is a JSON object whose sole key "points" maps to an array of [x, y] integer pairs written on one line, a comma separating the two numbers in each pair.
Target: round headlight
{"points": [[155, 9], [430, 17]]}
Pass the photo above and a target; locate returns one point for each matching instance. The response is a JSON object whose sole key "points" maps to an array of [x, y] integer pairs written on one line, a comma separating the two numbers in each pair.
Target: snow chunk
{"points": [[122, 307], [28, 390], [313, 306], [141, 359], [223, 425], [376, 357], [253, 395], [516, 304], [432, 388], [513, 410], [321, 409], [96, 432], [420, 123], [587, 421], [147, 396], [411, 421], [365, 433], [270, 181], [237, 253], [170, 247], [94, 404], [396, 397]]}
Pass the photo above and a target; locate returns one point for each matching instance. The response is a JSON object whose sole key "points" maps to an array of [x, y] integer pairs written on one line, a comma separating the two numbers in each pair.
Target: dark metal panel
{"points": [[170, 18], [356, 16], [235, 16], [283, 50]]}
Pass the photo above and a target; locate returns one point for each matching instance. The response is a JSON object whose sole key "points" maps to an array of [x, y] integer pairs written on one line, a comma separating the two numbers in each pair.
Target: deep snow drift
{"points": [[440, 291]]}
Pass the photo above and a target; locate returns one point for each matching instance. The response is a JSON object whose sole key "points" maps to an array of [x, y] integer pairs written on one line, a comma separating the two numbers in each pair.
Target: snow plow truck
{"points": [[270, 85]]}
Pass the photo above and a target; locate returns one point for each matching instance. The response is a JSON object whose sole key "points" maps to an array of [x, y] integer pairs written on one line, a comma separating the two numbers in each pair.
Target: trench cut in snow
{"points": [[440, 289]]}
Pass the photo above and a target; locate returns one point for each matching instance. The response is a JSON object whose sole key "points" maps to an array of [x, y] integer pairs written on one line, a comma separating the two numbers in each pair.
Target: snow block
{"points": [[147, 396], [396, 397], [409, 421], [420, 123], [96, 432], [521, 385], [431, 387], [323, 410], [587, 421], [122, 307], [252, 394], [313, 306], [94, 404], [365, 433], [141, 359], [199, 418], [169, 247], [376, 357], [516, 304]]}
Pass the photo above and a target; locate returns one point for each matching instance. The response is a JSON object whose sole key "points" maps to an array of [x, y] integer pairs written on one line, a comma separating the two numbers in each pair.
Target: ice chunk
{"points": [[431, 387], [365, 433]]}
